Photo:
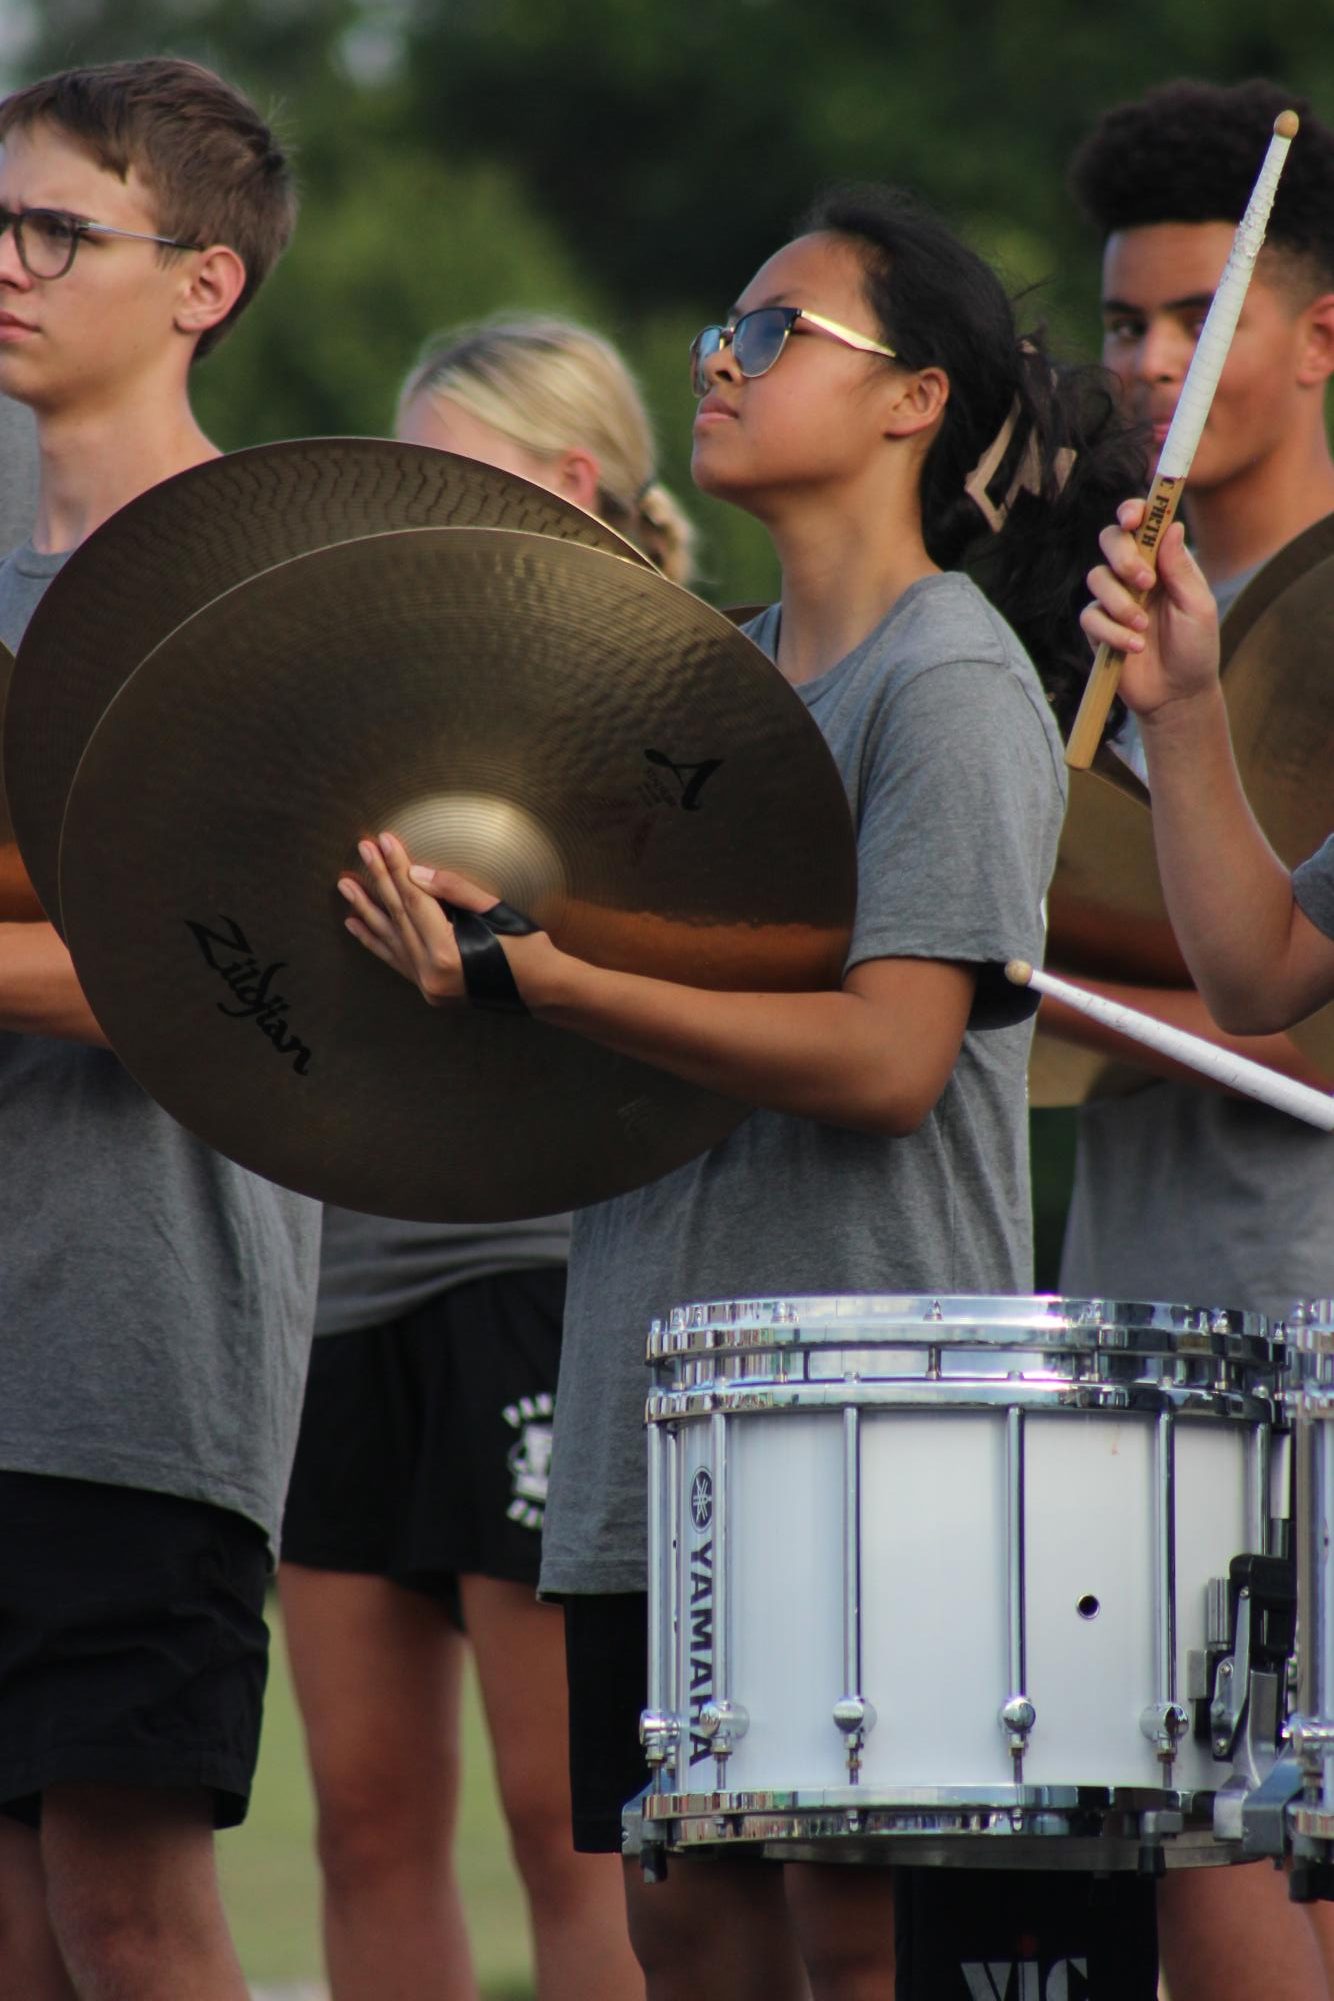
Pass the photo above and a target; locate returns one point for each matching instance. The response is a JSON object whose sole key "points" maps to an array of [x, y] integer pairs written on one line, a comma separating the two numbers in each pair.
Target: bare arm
{"points": [[1259, 961], [39, 992], [874, 1056]]}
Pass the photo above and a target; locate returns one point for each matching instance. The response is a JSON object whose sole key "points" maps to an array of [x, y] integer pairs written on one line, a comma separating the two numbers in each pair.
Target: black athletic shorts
{"points": [[425, 1444], [133, 1649], [606, 1661]]}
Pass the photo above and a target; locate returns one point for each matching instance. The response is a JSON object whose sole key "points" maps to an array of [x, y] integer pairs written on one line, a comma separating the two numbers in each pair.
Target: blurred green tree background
{"points": [[632, 161]]}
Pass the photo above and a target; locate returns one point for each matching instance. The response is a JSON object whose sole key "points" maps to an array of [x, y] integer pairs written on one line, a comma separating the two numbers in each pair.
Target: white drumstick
{"points": [[1238, 1073], [1197, 391], [1188, 419]]}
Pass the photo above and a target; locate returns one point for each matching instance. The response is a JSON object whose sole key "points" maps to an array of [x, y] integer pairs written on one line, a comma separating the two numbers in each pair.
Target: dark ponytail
{"points": [[1069, 460]]}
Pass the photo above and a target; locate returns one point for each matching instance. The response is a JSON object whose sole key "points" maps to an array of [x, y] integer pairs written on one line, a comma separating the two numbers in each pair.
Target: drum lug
{"points": [[856, 1718], [1017, 1718], [1164, 1724], [854, 1715], [660, 1735], [724, 1724], [1312, 1741]]}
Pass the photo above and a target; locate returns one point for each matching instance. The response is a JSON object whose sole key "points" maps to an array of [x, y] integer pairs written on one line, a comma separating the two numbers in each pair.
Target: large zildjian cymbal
{"points": [[183, 543], [582, 737], [1108, 917]]}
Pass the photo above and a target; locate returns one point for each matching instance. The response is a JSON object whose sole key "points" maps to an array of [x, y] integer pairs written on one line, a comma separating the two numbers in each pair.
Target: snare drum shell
{"points": [[757, 1586]]}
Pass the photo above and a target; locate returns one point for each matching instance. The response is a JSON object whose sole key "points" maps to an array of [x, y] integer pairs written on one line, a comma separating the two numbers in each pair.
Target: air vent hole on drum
{"points": [[1088, 1607]]}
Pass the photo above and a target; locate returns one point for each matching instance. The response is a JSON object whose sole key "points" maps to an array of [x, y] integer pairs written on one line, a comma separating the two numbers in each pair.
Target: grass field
{"points": [[269, 1872]]}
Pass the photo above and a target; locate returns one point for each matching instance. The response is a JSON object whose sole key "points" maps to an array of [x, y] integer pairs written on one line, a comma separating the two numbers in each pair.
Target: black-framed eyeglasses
{"points": [[47, 238], [758, 338]]}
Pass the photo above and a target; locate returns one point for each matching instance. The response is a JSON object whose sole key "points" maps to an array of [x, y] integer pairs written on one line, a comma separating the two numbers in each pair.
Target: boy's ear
{"points": [[210, 290], [1316, 364]]}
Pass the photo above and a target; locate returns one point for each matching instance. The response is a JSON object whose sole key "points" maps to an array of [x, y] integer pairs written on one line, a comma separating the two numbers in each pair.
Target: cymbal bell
{"points": [[185, 542], [585, 739]]}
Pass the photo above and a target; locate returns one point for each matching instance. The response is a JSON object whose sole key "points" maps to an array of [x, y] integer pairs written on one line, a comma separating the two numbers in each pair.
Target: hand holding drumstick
{"points": [[1169, 635], [1257, 958]]}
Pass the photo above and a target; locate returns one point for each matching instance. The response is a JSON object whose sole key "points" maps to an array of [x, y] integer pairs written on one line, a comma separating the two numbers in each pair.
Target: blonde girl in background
{"points": [[413, 1527]]}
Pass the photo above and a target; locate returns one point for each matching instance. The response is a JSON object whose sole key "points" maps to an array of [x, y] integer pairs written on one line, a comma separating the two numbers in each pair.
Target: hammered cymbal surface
{"points": [[185, 542], [587, 740], [1106, 919], [1278, 684]]}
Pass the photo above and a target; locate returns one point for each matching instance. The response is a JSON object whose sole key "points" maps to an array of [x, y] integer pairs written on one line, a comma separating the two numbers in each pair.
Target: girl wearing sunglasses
{"points": [[870, 401]]}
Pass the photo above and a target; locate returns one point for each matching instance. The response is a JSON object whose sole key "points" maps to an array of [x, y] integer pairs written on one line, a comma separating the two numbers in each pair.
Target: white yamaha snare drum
{"points": [[931, 1571]]}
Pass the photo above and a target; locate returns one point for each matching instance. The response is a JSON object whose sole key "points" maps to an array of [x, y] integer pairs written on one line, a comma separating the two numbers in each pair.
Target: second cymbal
{"points": [[579, 735]]}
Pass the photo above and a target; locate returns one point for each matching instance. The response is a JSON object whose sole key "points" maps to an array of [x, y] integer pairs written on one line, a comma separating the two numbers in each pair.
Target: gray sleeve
{"points": [[18, 474], [1313, 887], [957, 836]]}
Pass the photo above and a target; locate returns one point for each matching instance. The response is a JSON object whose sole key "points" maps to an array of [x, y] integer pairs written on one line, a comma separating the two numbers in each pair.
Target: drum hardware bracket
{"points": [[1254, 1622], [644, 1840], [1154, 1827], [1249, 1721], [1260, 1815], [1311, 1877]]}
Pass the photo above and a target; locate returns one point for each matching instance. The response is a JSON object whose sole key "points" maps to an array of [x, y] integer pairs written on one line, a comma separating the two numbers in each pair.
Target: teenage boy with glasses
{"points": [[155, 1299], [1181, 1192]]}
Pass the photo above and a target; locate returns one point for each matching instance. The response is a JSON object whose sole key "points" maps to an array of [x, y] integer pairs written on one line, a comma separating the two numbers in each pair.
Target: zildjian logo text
{"points": [[228, 953]]}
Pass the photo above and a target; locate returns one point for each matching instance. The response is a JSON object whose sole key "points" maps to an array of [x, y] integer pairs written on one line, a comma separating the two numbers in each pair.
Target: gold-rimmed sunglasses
{"points": [[759, 337]]}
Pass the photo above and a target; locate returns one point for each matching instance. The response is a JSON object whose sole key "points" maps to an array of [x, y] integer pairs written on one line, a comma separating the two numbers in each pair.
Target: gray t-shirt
{"points": [[1184, 1194], [156, 1300], [953, 770], [374, 1269], [1313, 887], [18, 474]]}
